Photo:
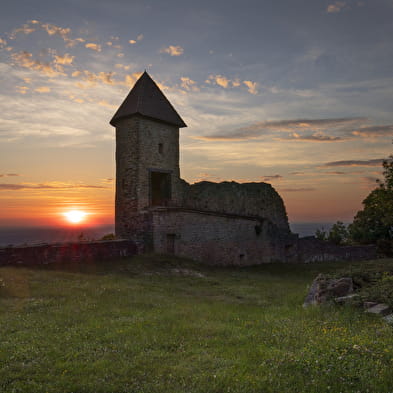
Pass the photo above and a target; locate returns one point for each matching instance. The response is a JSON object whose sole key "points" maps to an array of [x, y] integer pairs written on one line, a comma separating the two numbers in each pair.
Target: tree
{"points": [[374, 224], [338, 234]]}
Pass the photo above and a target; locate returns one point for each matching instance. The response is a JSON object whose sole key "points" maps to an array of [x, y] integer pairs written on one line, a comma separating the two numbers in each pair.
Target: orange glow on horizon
{"points": [[76, 216]]}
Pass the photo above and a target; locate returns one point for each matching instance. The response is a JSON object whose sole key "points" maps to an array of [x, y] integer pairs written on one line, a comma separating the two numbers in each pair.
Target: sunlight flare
{"points": [[75, 216]]}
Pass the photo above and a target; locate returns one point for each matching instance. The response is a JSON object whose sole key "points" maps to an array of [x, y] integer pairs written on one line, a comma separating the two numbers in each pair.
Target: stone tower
{"points": [[147, 157]]}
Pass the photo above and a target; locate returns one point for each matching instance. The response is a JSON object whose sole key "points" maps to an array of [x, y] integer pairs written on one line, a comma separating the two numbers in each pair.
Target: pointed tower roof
{"points": [[146, 99]]}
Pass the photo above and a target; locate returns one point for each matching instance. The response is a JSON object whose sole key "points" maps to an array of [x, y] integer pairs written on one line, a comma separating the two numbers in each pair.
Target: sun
{"points": [[75, 216]]}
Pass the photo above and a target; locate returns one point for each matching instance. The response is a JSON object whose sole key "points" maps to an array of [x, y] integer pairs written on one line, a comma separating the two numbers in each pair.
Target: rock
{"points": [[367, 305], [379, 309], [388, 319], [346, 299], [324, 289]]}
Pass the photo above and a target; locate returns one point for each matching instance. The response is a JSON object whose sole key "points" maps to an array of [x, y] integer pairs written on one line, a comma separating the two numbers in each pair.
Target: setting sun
{"points": [[75, 216]]}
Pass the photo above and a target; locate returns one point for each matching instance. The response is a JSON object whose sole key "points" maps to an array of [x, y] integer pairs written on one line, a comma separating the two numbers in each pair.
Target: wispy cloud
{"points": [[295, 129], [66, 59], [335, 7], [138, 38], [297, 189], [372, 162], [9, 174], [173, 50], [252, 87], [25, 59], [219, 80], [316, 137], [92, 46], [46, 186], [22, 89], [271, 177], [42, 89], [374, 131], [92, 78], [189, 84]]}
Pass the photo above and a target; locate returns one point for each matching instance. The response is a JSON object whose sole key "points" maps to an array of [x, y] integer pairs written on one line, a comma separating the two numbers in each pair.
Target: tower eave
{"points": [[114, 121]]}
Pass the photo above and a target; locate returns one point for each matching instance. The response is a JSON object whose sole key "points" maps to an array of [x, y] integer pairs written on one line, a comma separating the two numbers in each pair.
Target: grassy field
{"points": [[159, 324]]}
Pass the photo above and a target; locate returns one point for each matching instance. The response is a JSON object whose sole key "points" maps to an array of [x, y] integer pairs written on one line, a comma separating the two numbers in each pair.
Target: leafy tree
{"points": [[374, 224], [338, 234], [320, 234]]}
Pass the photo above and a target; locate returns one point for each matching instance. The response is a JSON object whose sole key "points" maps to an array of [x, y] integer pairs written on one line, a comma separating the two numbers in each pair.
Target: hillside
{"points": [[156, 324]]}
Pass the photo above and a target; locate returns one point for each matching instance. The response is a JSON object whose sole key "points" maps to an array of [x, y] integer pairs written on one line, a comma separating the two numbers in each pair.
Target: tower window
{"points": [[160, 148], [160, 188]]}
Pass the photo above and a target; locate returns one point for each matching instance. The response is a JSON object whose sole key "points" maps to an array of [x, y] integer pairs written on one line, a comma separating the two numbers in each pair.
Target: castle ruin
{"points": [[219, 223]]}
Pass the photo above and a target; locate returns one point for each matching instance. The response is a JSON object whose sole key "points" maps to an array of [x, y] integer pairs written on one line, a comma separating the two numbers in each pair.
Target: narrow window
{"points": [[170, 243], [160, 148]]}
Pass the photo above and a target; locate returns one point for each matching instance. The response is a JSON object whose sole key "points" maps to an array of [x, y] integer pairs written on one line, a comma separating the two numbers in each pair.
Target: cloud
{"points": [[95, 47], [107, 104], [56, 30], [24, 29], [2, 42], [25, 59], [173, 50], [294, 127], [188, 84], [272, 177], [42, 89], [297, 173], [122, 66], [46, 186], [335, 173], [9, 175], [64, 60], [297, 189], [138, 38], [219, 80], [316, 137], [92, 79], [252, 87], [21, 89], [374, 131], [335, 7], [372, 162]]}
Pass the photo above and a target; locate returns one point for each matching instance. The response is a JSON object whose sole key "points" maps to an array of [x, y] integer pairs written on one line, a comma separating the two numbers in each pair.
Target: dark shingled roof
{"points": [[146, 99]]}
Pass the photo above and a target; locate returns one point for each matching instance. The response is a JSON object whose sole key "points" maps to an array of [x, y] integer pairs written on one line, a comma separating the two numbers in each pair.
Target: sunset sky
{"points": [[298, 94]]}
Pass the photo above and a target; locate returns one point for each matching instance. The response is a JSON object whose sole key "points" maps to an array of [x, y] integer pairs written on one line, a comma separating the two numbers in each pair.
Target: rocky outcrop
{"points": [[324, 289]]}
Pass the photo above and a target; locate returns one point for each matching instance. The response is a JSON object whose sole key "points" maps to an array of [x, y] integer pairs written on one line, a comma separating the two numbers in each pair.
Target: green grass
{"points": [[150, 324]]}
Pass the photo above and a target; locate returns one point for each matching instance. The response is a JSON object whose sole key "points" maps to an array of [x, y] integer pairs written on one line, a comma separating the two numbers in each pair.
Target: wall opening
{"points": [[160, 148], [170, 243], [160, 188]]}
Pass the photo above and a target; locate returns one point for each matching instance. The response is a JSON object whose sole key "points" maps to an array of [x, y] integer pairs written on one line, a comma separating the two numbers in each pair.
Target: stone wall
{"points": [[310, 249], [143, 145], [66, 252], [219, 239], [246, 199]]}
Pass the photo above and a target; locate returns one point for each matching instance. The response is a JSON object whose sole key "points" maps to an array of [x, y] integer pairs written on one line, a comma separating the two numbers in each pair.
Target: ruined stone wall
{"points": [[311, 249], [218, 239], [247, 199], [66, 252]]}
